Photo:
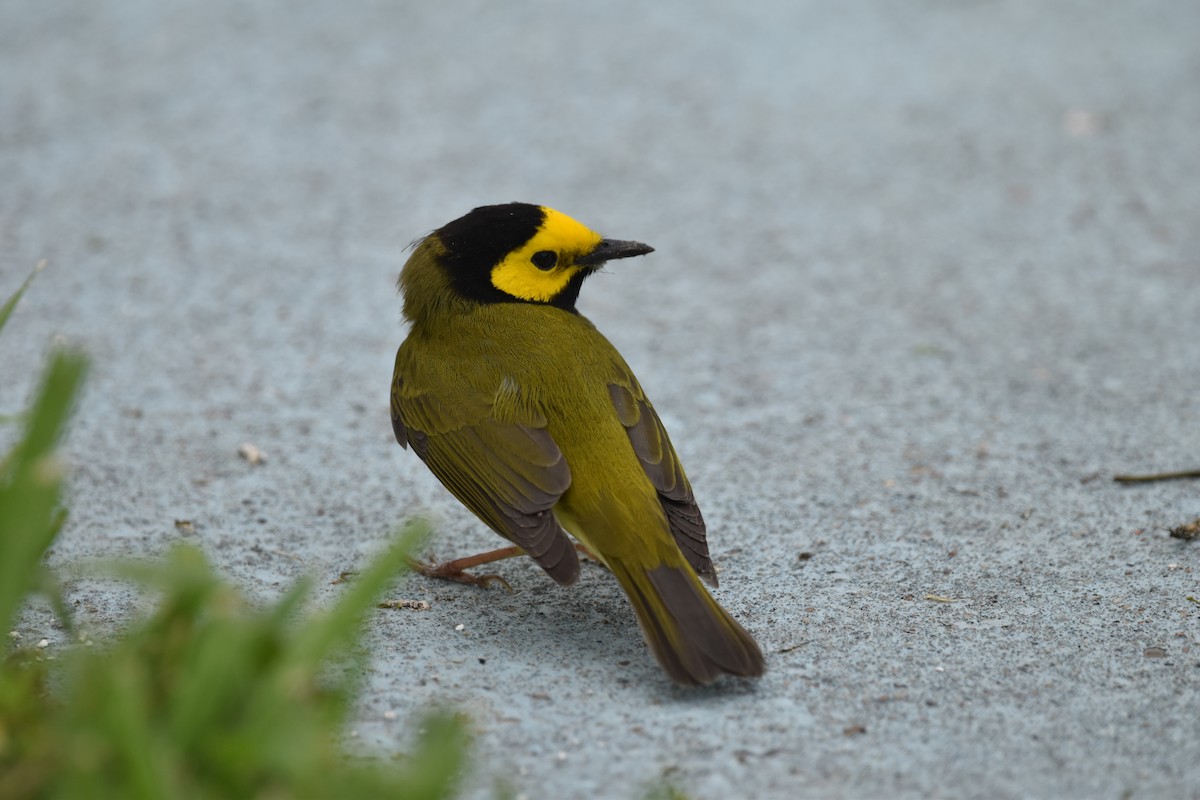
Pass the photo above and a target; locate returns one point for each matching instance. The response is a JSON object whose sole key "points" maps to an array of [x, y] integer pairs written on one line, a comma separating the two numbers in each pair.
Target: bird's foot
{"points": [[456, 570]]}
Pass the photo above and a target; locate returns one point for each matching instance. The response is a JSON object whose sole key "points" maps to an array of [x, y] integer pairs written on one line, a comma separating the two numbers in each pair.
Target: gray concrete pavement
{"points": [[927, 275]]}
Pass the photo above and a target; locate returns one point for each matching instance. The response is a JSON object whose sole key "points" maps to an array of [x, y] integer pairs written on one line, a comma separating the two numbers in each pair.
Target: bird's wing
{"points": [[654, 450], [509, 473]]}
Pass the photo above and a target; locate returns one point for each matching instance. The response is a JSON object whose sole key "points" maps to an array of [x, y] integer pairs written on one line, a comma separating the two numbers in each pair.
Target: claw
{"points": [[454, 571]]}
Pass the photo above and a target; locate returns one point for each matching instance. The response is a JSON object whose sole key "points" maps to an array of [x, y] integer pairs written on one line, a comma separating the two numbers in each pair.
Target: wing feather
{"points": [[510, 474], [662, 467]]}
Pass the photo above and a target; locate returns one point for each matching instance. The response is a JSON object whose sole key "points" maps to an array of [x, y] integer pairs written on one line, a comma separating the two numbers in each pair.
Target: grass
{"points": [[209, 695]]}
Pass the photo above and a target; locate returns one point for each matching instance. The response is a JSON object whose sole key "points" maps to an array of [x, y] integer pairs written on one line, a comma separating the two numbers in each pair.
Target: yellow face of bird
{"points": [[515, 252], [539, 270]]}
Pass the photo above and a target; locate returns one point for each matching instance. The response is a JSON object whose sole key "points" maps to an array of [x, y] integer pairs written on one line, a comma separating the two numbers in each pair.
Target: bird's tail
{"points": [[693, 638]]}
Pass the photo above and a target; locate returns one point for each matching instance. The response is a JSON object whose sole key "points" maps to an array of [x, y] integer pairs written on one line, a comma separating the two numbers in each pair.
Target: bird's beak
{"points": [[612, 249]]}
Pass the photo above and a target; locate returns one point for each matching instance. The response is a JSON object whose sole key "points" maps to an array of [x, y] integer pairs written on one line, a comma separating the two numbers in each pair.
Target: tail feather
{"points": [[694, 640]]}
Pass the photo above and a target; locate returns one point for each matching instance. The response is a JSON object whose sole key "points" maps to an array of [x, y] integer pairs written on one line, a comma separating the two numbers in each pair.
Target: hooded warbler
{"points": [[532, 419]]}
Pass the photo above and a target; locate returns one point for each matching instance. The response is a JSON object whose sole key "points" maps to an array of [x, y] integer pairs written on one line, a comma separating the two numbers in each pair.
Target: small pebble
{"points": [[251, 454]]}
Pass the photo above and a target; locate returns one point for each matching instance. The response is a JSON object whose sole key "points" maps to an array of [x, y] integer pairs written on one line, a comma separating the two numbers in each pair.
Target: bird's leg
{"points": [[456, 569]]}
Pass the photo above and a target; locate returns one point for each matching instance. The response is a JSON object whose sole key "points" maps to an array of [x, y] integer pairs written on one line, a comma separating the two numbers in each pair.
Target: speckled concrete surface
{"points": [[927, 276]]}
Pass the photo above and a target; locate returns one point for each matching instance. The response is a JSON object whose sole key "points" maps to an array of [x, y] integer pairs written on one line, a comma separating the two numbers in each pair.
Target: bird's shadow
{"points": [[588, 628]]}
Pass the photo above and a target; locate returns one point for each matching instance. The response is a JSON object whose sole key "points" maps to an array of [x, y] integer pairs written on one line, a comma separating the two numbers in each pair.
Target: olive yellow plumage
{"points": [[532, 419]]}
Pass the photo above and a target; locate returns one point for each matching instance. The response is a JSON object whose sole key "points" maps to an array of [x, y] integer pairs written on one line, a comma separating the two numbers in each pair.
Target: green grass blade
{"points": [[344, 622], [436, 767], [7, 309], [31, 484]]}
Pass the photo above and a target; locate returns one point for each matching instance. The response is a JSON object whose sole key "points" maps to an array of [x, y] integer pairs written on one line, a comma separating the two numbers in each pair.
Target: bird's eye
{"points": [[545, 259]]}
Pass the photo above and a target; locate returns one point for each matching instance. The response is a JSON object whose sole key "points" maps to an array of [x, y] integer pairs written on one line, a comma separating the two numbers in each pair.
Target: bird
{"points": [[530, 417]]}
